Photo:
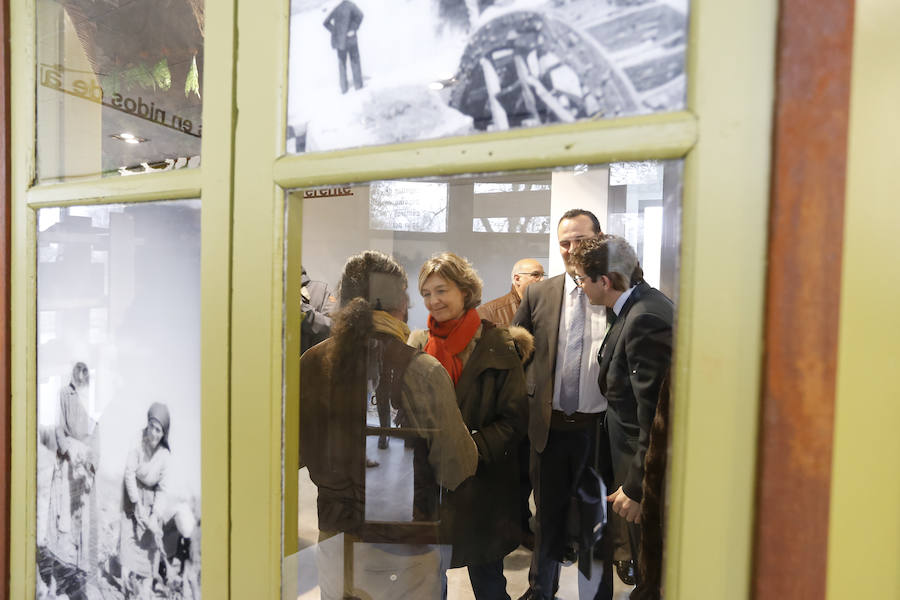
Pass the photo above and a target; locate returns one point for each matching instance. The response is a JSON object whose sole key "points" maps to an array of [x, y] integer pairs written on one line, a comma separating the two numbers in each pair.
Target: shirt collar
{"points": [[617, 307], [570, 284]]}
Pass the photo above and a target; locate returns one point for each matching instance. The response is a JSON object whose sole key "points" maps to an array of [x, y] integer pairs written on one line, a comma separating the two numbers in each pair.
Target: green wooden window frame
{"points": [[724, 137], [214, 190]]}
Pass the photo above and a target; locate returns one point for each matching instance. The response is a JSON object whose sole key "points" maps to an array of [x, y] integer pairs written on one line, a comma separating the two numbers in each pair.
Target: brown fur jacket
{"points": [[653, 506]]}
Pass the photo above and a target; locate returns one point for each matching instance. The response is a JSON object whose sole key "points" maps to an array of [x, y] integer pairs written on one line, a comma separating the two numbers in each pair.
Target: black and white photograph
{"points": [[365, 73], [118, 402]]}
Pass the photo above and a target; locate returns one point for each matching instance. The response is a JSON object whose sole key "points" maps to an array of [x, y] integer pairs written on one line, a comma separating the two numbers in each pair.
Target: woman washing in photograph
{"points": [[485, 363], [144, 502]]}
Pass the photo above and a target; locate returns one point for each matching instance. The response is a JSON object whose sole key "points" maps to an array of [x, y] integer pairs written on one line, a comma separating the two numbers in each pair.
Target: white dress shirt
{"points": [[590, 400], [617, 306]]}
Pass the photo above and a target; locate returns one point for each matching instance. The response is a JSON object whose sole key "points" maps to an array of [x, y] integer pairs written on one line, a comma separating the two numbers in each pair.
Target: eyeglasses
{"points": [[579, 280], [535, 274]]}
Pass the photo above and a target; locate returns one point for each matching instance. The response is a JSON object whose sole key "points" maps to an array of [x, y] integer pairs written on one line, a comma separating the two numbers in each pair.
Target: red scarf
{"points": [[448, 339]]}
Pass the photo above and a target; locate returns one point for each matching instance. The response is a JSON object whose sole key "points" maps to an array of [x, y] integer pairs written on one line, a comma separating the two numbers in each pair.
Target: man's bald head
{"points": [[525, 272]]}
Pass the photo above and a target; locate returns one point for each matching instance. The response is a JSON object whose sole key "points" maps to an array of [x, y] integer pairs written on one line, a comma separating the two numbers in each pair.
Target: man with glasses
{"points": [[568, 444], [500, 311]]}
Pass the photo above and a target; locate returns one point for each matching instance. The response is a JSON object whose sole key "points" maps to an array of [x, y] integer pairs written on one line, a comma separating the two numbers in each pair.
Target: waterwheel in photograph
{"points": [[526, 68]]}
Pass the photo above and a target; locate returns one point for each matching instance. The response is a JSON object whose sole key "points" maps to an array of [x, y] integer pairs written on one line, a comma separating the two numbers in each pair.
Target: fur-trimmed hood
{"points": [[524, 341]]}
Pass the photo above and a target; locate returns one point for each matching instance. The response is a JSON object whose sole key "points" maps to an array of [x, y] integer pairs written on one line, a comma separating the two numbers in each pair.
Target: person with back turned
{"points": [[367, 361]]}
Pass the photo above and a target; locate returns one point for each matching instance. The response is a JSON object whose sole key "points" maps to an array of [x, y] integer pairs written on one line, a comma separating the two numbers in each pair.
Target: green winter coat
{"points": [[481, 517]]}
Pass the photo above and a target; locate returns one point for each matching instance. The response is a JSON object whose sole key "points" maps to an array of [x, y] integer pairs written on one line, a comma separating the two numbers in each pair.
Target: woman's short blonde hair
{"points": [[458, 270]]}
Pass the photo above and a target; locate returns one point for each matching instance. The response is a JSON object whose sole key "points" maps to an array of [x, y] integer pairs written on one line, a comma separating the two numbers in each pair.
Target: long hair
{"points": [[371, 281], [351, 332]]}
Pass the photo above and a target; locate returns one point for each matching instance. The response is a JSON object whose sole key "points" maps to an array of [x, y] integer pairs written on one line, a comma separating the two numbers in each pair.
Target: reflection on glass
{"points": [[408, 206], [381, 440], [118, 87], [365, 455], [118, 500], [506, 225], [480, 66]]}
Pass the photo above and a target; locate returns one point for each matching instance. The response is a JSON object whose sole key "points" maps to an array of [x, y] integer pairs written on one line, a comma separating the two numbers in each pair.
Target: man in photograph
{"points": [[368, 352], [566, 408], [343, 23], [633, 362]]}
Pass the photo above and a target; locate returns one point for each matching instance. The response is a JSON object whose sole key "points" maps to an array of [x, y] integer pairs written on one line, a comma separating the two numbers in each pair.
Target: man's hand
{"points": [[625, 507]]}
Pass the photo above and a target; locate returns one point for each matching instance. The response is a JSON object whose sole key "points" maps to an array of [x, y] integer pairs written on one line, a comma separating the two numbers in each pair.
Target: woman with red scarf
{"points": [[481, 518]]}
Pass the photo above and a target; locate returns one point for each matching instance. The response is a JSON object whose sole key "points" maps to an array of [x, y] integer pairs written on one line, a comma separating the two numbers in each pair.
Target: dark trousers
{"points": [[621, 456], [351, 51], [488, 581], [554, 474], [524, 483]]}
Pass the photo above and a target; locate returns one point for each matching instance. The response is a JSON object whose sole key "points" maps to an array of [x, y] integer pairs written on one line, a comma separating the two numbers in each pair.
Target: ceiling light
{"points": [[129, 138]]}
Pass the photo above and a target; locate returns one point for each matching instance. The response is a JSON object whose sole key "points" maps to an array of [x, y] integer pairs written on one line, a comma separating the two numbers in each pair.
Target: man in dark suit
{"points": [[565, 409], [633, 360], [343, 22]]}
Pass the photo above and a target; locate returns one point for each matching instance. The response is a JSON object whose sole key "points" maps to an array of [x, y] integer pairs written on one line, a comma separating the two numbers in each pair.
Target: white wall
{"points": [[336, 227], [587, 189]]}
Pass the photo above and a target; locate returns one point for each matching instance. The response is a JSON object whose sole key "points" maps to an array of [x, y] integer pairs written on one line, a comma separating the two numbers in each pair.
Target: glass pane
{"points": [[118, 87], [366, 73], [390, 501], [118, 401]]}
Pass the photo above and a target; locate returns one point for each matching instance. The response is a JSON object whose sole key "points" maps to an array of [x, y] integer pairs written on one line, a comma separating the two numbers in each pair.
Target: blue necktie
{"points": [[571, 372]]}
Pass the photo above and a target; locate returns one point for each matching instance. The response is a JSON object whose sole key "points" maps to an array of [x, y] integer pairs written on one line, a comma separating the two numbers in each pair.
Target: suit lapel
{"points": [[556, 291], [609, 343], [612, 336]]}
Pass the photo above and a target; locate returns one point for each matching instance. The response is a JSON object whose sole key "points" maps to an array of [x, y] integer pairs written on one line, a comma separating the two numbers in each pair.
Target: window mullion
{"points": [[660, 136]]}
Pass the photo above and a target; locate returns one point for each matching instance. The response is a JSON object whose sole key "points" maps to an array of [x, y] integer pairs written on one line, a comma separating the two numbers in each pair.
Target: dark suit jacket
{"points": [[539, 314], [634, 359], [343, 20]]}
